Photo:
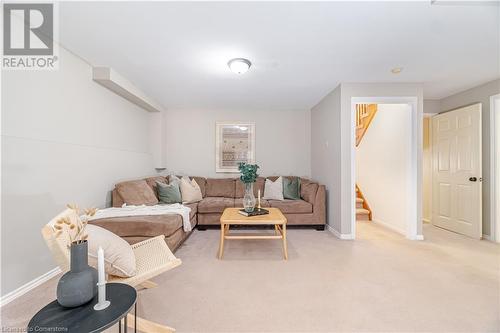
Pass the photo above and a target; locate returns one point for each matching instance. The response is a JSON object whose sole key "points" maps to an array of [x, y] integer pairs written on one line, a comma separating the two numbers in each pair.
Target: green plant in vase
{"points": [[248, 177]]}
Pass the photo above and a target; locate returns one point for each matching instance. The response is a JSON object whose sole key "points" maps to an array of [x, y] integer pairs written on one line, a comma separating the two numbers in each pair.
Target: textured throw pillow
{"points": [[173, 179], [291, 188], [273, 190], [190, 190], [136, 192], [119, 258], [169, 193]]}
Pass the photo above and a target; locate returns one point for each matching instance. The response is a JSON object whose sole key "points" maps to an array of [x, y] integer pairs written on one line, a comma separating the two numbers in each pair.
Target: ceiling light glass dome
{"points": [[239, 65]]}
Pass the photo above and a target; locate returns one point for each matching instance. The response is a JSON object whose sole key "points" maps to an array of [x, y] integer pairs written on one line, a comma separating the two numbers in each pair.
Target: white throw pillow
{"points": [[173, 178], [273, 190], [119, 258], [190, 190]]}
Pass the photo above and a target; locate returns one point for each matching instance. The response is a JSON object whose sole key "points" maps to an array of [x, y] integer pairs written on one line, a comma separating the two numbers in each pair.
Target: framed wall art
{"points": [[234, 143]]}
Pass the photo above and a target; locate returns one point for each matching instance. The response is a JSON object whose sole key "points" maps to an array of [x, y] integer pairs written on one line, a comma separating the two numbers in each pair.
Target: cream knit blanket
{"points": [[131, 210]]}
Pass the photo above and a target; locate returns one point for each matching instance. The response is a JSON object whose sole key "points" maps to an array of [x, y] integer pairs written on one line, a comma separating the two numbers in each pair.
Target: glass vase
{"points": [[249, 198]]}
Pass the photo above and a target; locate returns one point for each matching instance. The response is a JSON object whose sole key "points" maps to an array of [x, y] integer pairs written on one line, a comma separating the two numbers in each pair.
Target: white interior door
{"points": [[456, 171]]}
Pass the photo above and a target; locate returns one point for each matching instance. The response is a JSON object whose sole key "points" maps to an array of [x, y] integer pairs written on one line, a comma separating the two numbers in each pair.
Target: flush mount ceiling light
{"points": [[396, 70], [239, 65]]}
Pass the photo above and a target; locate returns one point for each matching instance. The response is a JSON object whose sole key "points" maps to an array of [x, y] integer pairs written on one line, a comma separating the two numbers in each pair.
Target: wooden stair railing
{"points": [[364, 117]]}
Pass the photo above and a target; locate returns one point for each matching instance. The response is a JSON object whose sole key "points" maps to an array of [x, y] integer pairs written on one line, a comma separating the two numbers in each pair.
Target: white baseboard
{"points": [[419, 237], [7, 298], [390, 226], [338, 234], [487, 237], [396, 229]]}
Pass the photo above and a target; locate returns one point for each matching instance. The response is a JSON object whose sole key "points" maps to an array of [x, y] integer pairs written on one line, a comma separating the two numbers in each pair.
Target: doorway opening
{"points": [[385, 165]]}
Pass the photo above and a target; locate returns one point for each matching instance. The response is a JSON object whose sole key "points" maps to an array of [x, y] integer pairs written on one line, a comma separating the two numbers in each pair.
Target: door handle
{"points": [[473, 179]]}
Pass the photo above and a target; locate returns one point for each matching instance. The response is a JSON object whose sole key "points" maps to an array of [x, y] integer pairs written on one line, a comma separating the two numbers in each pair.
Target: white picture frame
{"points": [[234, 143]]}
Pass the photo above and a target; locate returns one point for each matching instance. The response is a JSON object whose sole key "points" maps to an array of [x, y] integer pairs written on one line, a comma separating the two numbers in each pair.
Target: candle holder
{"points": [[258, 202], [101, 298]]}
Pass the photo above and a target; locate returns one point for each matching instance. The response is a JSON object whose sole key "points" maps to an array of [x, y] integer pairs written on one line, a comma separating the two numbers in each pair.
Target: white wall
{"points": [[158, 139], [383, 162], [482, 95], [332, 164], [497, 175], [325, 152], [283, 141], [432, 106], [65, 139]]}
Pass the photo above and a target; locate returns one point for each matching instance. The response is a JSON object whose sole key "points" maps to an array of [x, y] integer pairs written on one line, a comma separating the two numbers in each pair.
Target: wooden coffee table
{"points": [[232, 217]]}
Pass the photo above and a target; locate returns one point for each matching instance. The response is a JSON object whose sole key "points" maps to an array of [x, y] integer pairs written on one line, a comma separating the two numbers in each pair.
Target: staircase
{"points": [[364, 117], [363, 211]]}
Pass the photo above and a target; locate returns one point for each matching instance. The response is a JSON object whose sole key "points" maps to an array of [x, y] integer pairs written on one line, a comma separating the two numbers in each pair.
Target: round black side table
{"points": [[84, 319]]}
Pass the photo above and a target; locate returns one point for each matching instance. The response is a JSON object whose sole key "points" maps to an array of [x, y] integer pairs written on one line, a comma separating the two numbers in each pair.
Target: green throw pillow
{"points": [[291, 188], [169, 193]]}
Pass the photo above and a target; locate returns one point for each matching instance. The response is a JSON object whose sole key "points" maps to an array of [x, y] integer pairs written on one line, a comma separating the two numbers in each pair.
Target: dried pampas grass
{"points": [[77, 234]]}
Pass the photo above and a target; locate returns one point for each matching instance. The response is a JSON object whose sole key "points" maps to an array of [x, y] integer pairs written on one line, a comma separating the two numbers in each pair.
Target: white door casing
{"points": [[414, 188], [456, 163], [495, 167]]}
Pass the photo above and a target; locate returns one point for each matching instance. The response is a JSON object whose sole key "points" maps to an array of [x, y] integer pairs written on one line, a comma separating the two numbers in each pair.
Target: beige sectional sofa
{"points": [[218, 193]]}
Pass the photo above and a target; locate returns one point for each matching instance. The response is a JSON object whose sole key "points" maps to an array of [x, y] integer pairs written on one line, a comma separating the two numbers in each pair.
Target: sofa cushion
{"points": [[258, 185], [308, 190], [116, 199], [238, 202], [209, 219], [194, 209], [214, 204], [222, 187], [201, 183], [136, 192], [292, 206], [144, 225], [152, 182]]}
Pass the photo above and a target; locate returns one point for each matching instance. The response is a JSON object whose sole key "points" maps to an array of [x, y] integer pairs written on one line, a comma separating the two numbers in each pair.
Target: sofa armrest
{"points": [[319, 205]]}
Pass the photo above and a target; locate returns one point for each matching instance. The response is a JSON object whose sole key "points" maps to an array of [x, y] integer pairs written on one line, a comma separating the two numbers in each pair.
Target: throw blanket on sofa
{"points": [[131, 210]]}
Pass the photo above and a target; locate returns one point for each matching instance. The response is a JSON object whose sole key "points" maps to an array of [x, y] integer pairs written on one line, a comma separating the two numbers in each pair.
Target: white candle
{"points": [[258, 202], [101, 284], [100, 265]]}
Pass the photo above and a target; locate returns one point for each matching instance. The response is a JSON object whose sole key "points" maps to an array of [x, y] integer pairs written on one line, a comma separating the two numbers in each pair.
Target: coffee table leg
{"points": [[221, 245], [285, 249]]}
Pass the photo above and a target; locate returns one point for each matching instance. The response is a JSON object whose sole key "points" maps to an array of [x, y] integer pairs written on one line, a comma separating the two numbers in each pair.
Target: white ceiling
{"points": [[177, 52]]}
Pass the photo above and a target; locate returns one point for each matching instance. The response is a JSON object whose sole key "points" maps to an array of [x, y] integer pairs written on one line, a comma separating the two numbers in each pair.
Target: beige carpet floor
{"points": [[380, 282]]}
